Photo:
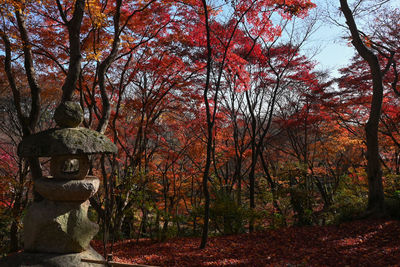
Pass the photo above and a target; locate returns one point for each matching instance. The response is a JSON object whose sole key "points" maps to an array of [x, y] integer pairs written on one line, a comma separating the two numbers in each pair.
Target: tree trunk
{"points": [[207, 166], [376, 206], [375, 187]]}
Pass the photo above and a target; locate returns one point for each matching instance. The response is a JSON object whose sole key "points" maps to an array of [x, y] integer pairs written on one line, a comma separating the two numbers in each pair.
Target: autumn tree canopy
{"points": [[224, 123]]}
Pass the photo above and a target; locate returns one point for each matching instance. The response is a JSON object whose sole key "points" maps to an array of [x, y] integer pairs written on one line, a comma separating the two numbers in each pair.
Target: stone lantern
{"points": [[59, 222]]}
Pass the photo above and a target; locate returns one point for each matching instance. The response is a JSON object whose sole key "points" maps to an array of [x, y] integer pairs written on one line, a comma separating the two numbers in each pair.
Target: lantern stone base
{"points": [[58, 227], [67, 190], [26, 259]]}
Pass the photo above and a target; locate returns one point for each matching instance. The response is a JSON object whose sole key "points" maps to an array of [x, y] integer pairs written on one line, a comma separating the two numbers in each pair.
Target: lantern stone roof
{"points": [[67, 138], [65, 141]]}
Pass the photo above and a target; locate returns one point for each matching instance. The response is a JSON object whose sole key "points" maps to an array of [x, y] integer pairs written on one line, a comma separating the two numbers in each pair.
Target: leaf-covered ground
{"points": [[360, 243]]}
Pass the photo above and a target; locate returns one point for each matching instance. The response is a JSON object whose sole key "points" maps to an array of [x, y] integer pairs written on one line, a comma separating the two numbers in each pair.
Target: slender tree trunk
{"points": [[14, 236], [239, 189], [374, 171], [207, 166], [272, 185], [211, 118], [205, 183], [74, 30], [252, 187], [376, 205]]}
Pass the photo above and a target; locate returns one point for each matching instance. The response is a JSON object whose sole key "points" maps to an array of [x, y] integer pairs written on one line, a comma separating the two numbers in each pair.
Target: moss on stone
{"points": [[65, 141], [68, 114]]}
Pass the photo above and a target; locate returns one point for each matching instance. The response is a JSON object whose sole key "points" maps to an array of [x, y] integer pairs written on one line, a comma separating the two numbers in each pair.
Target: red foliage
{"points": [[360, 243]]}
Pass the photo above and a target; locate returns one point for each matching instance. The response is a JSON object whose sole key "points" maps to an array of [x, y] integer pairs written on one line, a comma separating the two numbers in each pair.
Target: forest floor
{"points": [[358, 243]]}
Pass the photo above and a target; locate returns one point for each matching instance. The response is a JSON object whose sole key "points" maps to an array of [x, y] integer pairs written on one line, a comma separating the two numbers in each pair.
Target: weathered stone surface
{"points": [[67, 190], [27, 259], [65, 141], [70, 167], [68, 114], [61, 227]]}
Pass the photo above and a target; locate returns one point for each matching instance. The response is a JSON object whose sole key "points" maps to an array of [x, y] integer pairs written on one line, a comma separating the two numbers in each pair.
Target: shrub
{"points": [[392, 202], [350, 201], [5, 222], [226, 215]]}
